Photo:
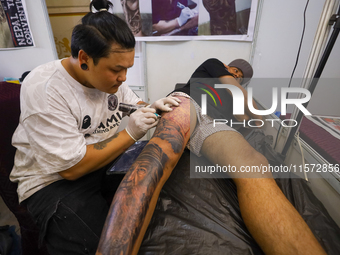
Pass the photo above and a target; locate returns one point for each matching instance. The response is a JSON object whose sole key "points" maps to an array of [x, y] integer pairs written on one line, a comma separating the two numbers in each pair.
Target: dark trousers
{"points": [[71, 214]]}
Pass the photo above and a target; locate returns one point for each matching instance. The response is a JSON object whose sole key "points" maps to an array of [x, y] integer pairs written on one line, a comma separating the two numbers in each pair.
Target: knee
{"points": [[256, 157], [256, 160]]}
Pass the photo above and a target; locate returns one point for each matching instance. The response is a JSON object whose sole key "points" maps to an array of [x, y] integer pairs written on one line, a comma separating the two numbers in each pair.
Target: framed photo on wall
{"points": [[159, 20]]}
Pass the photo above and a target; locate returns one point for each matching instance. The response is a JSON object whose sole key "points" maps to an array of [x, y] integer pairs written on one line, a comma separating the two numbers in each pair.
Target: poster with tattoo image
{"points": [[14, 26], [155, 20]]}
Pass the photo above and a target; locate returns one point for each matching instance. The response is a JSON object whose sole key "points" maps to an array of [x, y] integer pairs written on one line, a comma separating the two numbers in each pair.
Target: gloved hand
{"points": [[140, 122], [164, 104], [186, 14]]}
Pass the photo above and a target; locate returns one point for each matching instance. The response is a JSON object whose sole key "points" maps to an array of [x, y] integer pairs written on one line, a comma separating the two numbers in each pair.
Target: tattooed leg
{"points": [[132, 16], [136, 197], [276, 225]]}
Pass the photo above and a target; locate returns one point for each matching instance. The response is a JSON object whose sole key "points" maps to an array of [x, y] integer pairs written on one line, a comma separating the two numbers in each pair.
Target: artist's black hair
{"points": [[99, 31]]}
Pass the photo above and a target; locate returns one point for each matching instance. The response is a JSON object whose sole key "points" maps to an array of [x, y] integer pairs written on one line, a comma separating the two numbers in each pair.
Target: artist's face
{"points": [[110, 72]]}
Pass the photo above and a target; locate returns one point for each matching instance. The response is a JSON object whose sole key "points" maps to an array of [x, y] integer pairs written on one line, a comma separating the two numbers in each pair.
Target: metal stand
{"points": [[336, 29]]}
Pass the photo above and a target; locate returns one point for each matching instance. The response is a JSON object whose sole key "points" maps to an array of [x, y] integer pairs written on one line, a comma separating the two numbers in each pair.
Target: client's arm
{"points": [[164, 26], [136, 197]]}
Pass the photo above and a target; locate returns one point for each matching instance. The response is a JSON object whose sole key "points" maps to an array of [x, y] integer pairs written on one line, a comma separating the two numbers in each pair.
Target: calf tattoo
{"points": [[132, 15], [136, 197], [166, 131]]}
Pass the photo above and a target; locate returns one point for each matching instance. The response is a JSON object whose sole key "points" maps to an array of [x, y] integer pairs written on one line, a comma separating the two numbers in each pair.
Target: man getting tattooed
{"points": [[276, 233]]}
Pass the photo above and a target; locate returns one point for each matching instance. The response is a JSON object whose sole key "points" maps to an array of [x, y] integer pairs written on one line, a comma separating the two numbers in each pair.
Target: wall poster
{"points": [[159, 20], [15, 31]]}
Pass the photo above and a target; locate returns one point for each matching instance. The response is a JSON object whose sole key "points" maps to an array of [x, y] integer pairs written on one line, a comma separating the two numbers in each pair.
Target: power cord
{"points": [[299, 50], [277, 136], [296, 62], [303, 157]]}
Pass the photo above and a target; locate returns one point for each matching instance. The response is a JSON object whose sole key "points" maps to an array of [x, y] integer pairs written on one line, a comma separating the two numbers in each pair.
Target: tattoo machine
{"points": [[131, 108]]}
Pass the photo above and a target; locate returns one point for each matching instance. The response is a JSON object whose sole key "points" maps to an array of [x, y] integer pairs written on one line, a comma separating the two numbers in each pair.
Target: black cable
{"points": [[296, 61], [278, 133], [299, 50]]}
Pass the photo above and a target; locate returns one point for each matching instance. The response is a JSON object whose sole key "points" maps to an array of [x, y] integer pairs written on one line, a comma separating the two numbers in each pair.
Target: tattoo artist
{"points": [[67, 132]]}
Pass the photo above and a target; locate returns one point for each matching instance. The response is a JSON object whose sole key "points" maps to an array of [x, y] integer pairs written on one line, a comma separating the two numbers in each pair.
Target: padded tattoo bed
{"points": [[202, 216]]}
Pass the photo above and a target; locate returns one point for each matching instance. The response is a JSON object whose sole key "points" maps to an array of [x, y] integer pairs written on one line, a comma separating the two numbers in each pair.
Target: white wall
{"points": [[169, 63], [279, 35], [15, 62], [276, 50]]}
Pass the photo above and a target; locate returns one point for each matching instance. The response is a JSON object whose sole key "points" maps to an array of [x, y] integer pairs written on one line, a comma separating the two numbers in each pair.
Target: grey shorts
{"points": [[204, 127]]}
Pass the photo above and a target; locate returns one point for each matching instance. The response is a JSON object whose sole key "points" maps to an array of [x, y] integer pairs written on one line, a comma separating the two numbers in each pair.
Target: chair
{"points": [[10, 112]]}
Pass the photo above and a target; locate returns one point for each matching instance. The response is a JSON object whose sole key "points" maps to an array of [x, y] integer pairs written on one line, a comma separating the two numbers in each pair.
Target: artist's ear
{"points": [[83, 58]]}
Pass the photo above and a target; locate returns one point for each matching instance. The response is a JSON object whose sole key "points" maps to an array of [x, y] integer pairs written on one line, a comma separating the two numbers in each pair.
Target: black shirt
{"points": [[219, 101]]}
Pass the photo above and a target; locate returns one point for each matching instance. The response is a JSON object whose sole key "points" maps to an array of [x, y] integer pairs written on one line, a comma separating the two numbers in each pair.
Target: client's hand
{"points": [[165, 103], [140, 122]]}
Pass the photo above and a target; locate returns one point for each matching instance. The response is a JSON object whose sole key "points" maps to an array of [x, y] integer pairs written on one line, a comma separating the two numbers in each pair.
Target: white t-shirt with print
{"points": [[59, 117]]}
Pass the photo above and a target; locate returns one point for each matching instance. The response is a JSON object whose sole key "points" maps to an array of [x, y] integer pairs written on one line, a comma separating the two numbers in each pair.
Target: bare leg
{"points": [[271, 219], [136, 197]]}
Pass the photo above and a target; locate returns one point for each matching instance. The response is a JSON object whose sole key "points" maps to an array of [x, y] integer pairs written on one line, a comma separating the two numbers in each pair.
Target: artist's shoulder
{"points": [[40, 73]]}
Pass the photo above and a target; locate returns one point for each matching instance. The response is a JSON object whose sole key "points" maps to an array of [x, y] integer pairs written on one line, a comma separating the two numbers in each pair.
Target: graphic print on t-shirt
{"points": [[110, 123], [86, 122], [112, 102]]}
